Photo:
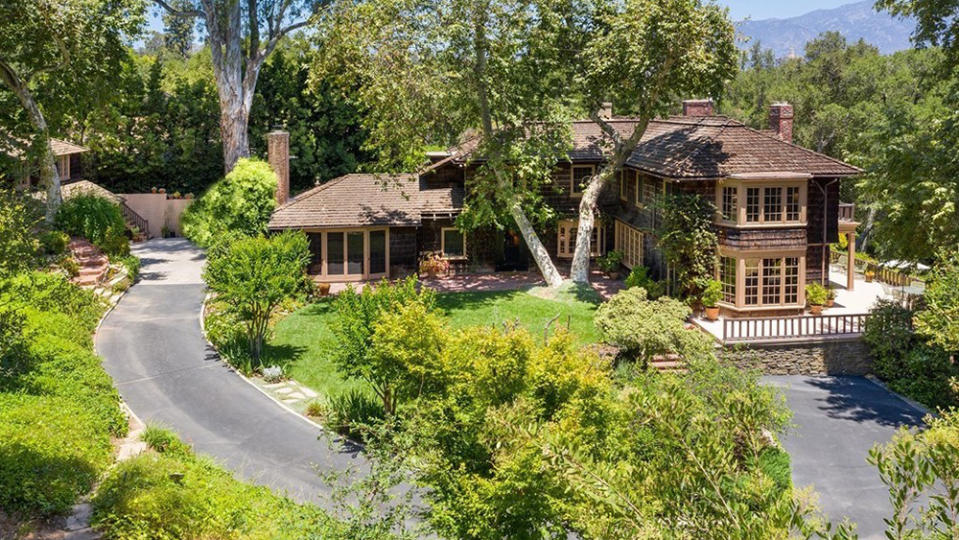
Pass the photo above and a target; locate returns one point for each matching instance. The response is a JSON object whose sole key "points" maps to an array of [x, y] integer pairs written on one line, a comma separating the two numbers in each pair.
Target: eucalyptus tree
{"points": [[241, 35], [56, 50], [488, 77], [643, 55]]}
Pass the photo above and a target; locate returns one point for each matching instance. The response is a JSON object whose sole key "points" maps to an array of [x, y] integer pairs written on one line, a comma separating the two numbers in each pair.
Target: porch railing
{"points": [[847, 211], [134, 219], [793, 328]]}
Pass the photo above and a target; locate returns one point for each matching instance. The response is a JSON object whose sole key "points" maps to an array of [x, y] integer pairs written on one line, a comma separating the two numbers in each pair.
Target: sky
{"points": [[738, 9]]}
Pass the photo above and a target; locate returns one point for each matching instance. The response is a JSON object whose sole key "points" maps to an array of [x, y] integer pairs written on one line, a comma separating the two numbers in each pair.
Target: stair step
{"points": [[667, 365]]}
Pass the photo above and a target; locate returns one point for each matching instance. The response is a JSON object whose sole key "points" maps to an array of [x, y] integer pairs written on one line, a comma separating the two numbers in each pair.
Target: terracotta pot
{"points": [[712, 313], [869, 278], [324, 289], [830, 303], [815, 309]]}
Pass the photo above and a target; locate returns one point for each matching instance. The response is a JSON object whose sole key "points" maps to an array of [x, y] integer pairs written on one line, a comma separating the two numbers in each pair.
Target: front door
{"points": [[514, 253]]}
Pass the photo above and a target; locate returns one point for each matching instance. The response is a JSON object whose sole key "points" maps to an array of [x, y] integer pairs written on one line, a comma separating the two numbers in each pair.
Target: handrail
{"points": [[135, 219], [793, 327]]}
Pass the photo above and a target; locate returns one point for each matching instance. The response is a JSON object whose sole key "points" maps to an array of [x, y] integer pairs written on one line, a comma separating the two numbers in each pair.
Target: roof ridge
{"points": [[770, 134]]}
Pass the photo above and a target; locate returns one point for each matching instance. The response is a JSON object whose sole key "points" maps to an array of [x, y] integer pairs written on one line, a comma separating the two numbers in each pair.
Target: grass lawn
{"points": [[301, 340]]}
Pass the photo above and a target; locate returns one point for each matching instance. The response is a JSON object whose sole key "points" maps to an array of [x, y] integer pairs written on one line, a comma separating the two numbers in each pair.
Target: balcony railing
{"points": [[847, 211], [773, 329]]}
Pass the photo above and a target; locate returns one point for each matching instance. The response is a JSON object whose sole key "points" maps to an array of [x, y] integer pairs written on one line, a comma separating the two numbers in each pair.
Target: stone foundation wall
{"points": [[822, 357]]}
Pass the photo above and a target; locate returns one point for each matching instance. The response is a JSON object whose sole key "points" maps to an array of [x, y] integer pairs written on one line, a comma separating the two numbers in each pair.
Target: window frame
{"points": [[565, 247], [324, 274], [630, 241], [443, 231], [572, 177], [783, 277], [764, 186]]}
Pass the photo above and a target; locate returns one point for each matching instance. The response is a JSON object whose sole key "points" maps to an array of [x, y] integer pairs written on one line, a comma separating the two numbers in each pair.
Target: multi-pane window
{"points": [[629, 242], [453, 243], [623, 178], [727, 276], [793, 204], [566, 238], [730, 205], [791, 280], [772, 281], [773, 207], [580, 177], [752, 204], [649, 189], [751, 282]]}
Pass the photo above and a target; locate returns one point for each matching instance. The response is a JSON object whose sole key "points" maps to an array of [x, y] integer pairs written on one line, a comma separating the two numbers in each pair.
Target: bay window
{"points": [[751, 204], [756, 280]]}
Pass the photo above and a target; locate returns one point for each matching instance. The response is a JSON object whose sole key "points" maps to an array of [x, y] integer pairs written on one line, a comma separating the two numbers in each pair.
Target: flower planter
{"points": [[712, 313], [830, 303], [324, 289], [815, 309]]}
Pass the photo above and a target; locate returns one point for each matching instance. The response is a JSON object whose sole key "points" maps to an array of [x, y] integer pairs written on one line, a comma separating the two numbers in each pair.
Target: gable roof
{"points": [[698, 147], [358, 200], [14, 147]]}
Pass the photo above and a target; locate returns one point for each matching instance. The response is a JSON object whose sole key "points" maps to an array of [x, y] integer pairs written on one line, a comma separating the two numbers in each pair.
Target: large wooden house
{"points": [[778, 208]]}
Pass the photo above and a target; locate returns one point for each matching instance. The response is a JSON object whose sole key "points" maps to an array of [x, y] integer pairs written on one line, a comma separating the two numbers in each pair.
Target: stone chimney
{"points": [[697, 107], [781, 120], [606, 110], [278, 155]]}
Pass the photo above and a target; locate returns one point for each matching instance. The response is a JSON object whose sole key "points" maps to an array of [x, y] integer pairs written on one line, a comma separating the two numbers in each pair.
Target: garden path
{"points": [[153, 347]]}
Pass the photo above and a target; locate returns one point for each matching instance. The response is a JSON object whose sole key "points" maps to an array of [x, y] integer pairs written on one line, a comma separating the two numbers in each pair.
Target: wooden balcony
{"points": [[799, 328], [847, 212]]}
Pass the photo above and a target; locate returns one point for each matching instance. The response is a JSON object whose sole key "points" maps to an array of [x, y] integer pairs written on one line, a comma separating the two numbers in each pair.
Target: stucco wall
{"points": [[823, 357], [158, 210]]}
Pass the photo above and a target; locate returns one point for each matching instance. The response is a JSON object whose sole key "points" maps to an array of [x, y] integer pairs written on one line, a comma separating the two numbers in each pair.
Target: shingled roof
{"points": [[699, 147], [358, 200]]}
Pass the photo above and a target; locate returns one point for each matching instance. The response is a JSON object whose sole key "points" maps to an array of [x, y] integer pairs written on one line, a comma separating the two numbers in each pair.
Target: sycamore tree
{"points": [[643, 55], [60, 50], [241, 35], [488, 77]]}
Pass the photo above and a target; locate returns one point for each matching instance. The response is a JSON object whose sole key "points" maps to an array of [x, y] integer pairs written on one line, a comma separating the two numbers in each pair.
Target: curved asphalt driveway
{"points": [[153, 347]]}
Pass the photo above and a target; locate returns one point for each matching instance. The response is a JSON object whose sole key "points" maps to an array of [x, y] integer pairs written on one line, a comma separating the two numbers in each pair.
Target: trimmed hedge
{"points": [[58, 408], [173, 494]]}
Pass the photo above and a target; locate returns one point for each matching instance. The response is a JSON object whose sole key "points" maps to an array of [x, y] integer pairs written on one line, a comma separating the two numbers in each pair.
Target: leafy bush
{"points": [[349, 413], [639, 277], [611, 261], [132, 265], [816, 294], [712, 293], [20, 220], [938, 321], [173, 494], [58, 408], [240, 203], [645, 328], [54, 242], [688, 239], [97, 219], [890, 336], [252, 276]]}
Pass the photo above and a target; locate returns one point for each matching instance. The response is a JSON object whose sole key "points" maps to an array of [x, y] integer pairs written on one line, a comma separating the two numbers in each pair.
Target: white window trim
{"points": [[742, 185], [572, 177], [596, 249], [622, 231], [443, 244], [740, 257]]}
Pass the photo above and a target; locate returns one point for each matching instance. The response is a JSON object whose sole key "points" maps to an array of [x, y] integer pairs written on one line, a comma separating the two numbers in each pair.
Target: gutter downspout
{"points": [[825, 227]]}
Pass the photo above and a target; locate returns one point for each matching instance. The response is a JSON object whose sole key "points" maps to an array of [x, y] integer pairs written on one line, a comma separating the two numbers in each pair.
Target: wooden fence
{"points": [[793, 328]]}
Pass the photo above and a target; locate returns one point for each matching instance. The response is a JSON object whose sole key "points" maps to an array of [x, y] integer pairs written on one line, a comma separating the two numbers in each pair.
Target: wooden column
{"points": [[851, 262]]}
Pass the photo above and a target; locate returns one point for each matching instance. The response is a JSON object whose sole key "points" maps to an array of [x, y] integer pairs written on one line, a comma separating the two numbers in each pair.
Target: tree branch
{"points": [[180, 12], [280, 34]]}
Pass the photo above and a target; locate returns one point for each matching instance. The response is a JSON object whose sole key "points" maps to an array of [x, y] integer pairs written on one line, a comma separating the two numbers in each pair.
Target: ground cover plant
{"points": [[169, 492], [58, 408]]}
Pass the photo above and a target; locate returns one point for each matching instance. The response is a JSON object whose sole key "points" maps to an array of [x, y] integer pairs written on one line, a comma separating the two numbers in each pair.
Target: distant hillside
{"points": [[858, 20]]}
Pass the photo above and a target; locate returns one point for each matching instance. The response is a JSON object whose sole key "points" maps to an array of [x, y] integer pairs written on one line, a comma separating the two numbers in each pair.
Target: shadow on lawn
{"points": [[473, 300], [281, 355]]}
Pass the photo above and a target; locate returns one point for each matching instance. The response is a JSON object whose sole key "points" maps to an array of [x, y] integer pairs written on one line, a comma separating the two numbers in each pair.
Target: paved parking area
{"points": [[837, 420]]}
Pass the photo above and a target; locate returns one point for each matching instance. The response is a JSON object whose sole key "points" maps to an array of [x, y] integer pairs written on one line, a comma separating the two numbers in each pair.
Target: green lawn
{"points": [[301, 340]]}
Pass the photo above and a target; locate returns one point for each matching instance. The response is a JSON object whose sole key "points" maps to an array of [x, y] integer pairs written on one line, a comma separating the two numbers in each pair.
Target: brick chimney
{"points": [[781, 120], [697, 107], [606, 110], [278, 155]]}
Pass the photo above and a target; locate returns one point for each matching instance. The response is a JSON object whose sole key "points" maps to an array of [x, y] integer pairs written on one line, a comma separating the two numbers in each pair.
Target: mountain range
{"points": [[857, 20]]}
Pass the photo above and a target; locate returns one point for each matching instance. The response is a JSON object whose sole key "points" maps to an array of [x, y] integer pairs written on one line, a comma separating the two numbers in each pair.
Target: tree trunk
{"points": [[579, 270], [234, 120], [536, 247]]}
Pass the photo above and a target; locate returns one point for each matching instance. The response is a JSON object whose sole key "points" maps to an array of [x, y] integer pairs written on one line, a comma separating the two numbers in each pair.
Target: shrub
{"points": [[611, 261], [712, 293], [645, 328], [349, 413], [889, 335], [816, 294], [240, 203], [939, 320], [54, 242], [175, 494], [253, 276], [639, 277], [20, 219], [687, 239], [132, 265], [97, 219]]}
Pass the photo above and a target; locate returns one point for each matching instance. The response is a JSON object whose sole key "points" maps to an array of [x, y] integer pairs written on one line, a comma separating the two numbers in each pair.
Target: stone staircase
{"points": [[672, 363], [93, 263]]}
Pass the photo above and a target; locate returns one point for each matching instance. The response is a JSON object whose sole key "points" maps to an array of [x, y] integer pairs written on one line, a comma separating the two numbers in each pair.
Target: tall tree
{"points": [[178, 31], [937, 22], [429, 72], [643, 55], [69, 45], [241, 35]]}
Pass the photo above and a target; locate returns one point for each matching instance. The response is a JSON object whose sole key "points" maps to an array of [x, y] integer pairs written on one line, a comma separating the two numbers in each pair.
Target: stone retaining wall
{"points": [[849, 356]]}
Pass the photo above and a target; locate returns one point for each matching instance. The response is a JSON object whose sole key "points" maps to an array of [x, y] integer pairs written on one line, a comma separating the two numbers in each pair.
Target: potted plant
{"points": [[323, 288], [153, 189], [816, 296], [434, 265], [610, 263], [710, 297], [830, 297], [870, 275], [162, 190]]}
